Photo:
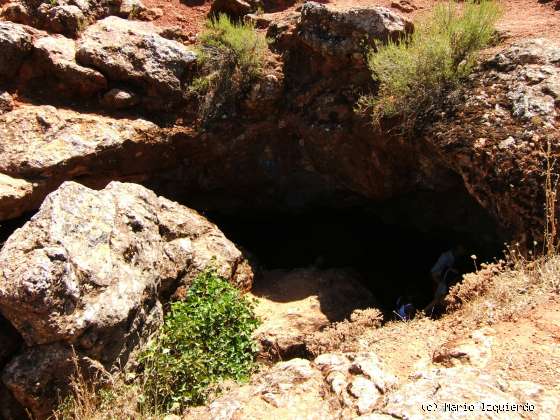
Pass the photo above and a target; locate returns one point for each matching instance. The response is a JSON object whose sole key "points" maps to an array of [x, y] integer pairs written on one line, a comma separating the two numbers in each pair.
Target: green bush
{"points": [[204, 340], [416, 73], [231, 57]]}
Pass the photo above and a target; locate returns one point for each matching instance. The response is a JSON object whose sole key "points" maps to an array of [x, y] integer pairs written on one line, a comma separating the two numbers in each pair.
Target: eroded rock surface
{"points": [[54, 63], [68, 17], [342, 33], [360, 385], [497, 132], [133, 52], [15, 45], [42, 146], [38, 377], [88, 270]]}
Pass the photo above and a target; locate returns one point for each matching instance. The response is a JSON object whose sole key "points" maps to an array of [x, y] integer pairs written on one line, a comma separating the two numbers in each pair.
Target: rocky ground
{"points": [[94, 96]]}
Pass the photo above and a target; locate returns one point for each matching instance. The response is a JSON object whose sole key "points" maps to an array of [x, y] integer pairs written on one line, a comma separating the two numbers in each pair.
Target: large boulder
{"points": [[333, 386], [472, 392], [53, 63], [495, 133], [235, 8], [343, 32], [17, 196], [42, 146], [15, 46], [133, 52], [88, 271], [38, 377], [67, 17]]}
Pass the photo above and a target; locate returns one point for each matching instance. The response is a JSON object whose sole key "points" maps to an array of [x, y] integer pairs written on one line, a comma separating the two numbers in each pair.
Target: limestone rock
{"points": [[119, 99], [330, 31], [458, 385], [131, 8], [68, 17], [90, 261], [234, 8], [38, 377], [65, 19], [44, 140], [366, 393], [405, 6], [15, 45], [6, 102], [532, 70], [18, 196], [358, 379], [88, 270], [133, 52], [508, 111], [291, 389], [42, 146], [474, 350], [369, 365], [135, 9], [17, 12], [54, 63]]}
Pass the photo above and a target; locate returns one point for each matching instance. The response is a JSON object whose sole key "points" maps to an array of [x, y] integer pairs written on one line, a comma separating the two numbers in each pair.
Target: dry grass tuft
{"points": [[343, 336], [503, 292]]}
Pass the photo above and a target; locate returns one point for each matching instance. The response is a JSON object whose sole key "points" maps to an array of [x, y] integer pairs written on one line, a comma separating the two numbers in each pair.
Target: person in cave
{"points": [[405, 309], [444, 273]]}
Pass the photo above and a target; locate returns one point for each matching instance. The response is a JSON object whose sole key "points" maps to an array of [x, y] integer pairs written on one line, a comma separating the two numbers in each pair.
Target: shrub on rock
{"points": [[89, 269], [205, 339]]}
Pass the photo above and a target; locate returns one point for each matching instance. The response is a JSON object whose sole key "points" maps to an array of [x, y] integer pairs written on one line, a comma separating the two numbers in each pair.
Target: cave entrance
{"points": [[392, 245]]}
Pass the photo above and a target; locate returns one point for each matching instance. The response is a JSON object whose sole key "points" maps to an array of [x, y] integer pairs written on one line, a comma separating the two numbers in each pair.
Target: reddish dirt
{"points": [[529, 349], [189, 15], [522, 18]]}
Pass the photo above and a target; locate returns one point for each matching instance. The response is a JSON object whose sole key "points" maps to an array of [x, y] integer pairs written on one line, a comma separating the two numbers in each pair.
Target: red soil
{"points": [[522, 18]]}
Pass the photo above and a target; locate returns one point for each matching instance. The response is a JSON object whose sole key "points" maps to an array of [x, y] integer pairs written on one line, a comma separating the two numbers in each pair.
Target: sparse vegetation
{"points": [[204, 340], [416, 73], [342, 336], [231, 57]]}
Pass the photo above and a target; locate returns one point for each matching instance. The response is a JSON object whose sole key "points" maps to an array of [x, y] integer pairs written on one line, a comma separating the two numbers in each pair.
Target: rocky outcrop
{"points": [[88, 271], [38, 377], [341, 385], [458, 383], [233, 8], [69, 17], [496, 133], [295, 304], [6, 102], [288, 387], [15, 46], [53, 64], [42, 146], [133, 52], [343, 33]]}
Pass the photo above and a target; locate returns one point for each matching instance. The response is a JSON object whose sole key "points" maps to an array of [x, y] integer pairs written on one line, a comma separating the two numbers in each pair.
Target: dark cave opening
{"points": [[392, 245]]}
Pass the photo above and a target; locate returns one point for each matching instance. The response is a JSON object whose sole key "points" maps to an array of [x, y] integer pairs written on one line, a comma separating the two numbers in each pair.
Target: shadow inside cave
{"points": [[391, 245]]}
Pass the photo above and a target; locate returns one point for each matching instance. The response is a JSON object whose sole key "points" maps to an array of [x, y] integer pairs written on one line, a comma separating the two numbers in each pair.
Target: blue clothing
{"points": [[444, 263]]}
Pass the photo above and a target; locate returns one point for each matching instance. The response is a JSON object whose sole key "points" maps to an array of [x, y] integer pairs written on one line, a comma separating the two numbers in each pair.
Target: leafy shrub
{"points": [[205, 339], [231, 57], [415, 73]]}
